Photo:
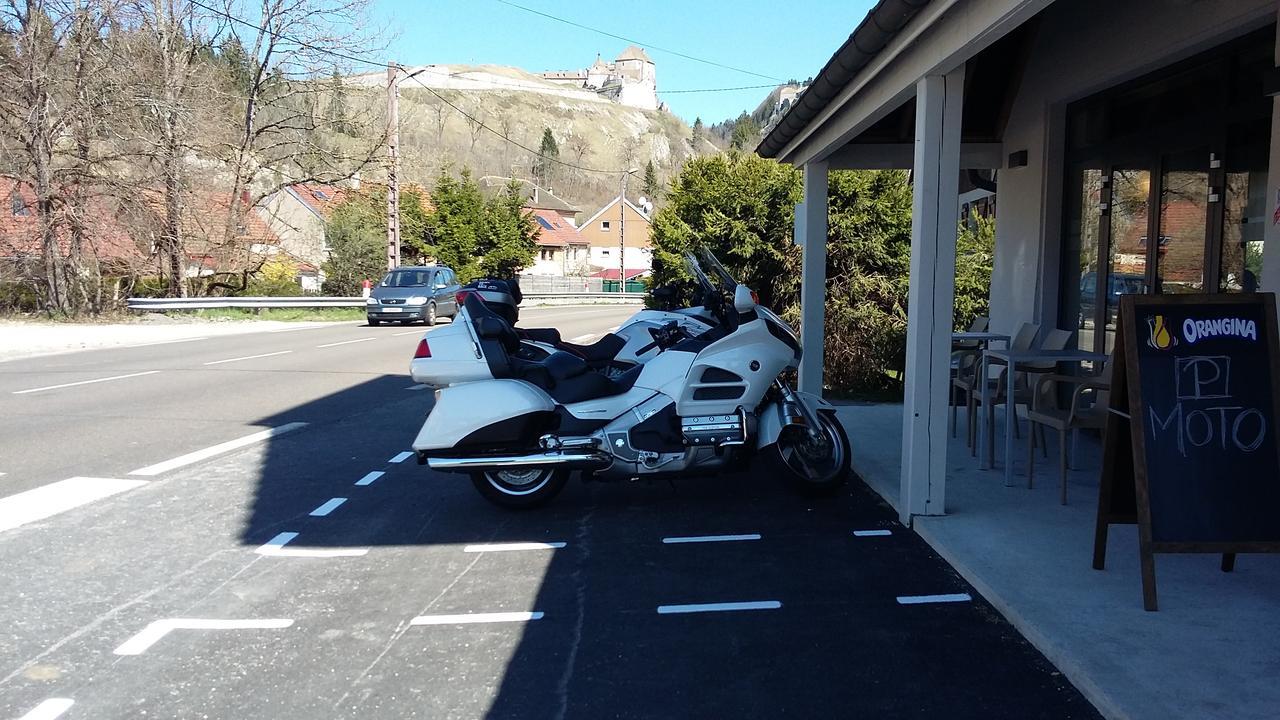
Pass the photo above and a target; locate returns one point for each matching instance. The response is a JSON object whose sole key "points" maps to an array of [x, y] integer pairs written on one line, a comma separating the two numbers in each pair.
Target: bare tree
{"points": [[51, 60], [280, 139]]}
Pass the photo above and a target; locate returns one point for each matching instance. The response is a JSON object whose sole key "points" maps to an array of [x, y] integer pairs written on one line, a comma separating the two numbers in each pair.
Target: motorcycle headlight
{"points": [[370, 301], [417, 300]]}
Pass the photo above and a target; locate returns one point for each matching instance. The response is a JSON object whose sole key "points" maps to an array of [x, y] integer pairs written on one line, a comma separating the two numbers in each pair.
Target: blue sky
{"points": [[776, 39]]}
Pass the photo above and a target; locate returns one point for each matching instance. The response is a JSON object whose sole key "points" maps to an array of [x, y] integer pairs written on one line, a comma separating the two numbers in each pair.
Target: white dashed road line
{"points": [[368, 479], [275, 547], [401, 457], [718, 607], [471, 618], [709, 538], [411, 332], [508, 547], [871, 533], [925, 599], [247, 357], [84, 382], [329, 506], [50, 709], [346, 342], [49, 500], [583, 338], [218, 449], [154, 632]]}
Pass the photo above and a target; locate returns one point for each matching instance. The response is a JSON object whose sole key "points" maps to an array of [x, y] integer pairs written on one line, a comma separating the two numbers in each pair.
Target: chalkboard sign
{"points": [[1190, 451]]}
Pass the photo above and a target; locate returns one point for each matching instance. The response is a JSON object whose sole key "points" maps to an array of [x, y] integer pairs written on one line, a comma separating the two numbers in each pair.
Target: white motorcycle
{"points": [[702, 404]]}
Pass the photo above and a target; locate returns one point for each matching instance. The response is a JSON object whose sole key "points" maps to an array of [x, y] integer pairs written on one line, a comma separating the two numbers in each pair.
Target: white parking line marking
{"points": [[247, 357], [347, 342], [923, 599], [872, 533], [84, 382], [275, 547], [471, 618], [218, 449], [152, 633], [329, 506], [709, 538], [417, 387], [508, 547], [368, 479], [718, 607], [401, 457], [49, 709], [49, 500]]}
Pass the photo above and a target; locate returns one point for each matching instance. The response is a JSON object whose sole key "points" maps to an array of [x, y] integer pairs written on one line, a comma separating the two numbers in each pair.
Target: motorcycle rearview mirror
{"points": [[743, 300]]}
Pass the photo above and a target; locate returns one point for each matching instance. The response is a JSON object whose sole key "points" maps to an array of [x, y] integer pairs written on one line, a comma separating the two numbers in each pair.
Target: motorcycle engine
{"points": [[712, 430]]}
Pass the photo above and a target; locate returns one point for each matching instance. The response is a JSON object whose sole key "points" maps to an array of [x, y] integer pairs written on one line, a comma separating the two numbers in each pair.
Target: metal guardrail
{"points": [[307, 301]]}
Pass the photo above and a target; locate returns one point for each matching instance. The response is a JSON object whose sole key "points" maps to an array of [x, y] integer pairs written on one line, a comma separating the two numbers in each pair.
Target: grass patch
{"points": [[282, 314]]}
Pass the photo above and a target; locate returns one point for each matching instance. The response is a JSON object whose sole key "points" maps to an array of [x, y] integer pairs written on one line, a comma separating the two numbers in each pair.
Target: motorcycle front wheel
{"points": [[814, 467], [520, 488]]}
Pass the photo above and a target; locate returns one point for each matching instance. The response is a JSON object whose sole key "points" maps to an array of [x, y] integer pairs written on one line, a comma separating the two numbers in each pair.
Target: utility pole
{"points": [[393, 166], [622, 233]]}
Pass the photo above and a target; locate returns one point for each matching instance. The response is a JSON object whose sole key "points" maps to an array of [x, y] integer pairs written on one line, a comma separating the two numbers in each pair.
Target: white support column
{"points": [[1270, 280], [811, 226], [936, 178]]}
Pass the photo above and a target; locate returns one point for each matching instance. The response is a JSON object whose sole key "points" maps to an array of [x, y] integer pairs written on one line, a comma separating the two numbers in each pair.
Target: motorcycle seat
{"points": [[564, 376], [600, 351]]}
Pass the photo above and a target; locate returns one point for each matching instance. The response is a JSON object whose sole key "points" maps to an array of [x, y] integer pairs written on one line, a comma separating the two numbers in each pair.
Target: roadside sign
{"points": [[1190, 451]]}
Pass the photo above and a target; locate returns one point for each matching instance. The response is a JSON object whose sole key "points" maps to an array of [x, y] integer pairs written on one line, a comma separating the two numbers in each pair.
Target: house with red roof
{"points": [[106, 237], [298, 215]]}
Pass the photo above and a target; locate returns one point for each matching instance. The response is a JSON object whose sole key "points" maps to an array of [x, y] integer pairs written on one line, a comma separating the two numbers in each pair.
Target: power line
{"points": [[367, 61], [650, 46], [710, 90]]}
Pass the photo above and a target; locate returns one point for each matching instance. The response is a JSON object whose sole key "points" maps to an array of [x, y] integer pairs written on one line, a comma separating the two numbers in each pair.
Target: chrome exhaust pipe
{"points": [[584, 461]]}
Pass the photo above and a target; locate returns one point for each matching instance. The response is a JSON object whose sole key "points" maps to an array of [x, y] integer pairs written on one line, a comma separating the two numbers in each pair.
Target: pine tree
{"points": [[651, 185], [548, 152], [697, 128]]}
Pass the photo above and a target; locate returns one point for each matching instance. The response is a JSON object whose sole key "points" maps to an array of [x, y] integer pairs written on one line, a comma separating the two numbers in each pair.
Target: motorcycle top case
{"points": [[481, 414]]}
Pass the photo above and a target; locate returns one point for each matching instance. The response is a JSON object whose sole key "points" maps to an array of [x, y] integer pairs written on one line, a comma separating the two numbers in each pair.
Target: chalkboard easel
{"points": [[1190, 451]]}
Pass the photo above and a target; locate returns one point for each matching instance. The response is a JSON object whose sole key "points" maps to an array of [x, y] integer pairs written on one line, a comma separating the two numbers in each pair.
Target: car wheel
{"points": [[374, 323], [429, 318]]}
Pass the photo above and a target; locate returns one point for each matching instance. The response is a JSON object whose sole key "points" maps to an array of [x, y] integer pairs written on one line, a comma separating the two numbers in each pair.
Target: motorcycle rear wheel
{"points": [[520, 488], [814, 468]]}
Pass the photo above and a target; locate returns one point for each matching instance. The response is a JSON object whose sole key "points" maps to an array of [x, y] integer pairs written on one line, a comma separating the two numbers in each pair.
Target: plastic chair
{"points": [[1089, 403]]}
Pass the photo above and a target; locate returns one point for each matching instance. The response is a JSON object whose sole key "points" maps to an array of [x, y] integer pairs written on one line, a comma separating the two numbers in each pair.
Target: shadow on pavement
{"points": [[840, 645]]}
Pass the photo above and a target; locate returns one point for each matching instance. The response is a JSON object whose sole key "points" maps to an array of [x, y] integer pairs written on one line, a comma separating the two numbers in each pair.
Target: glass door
{"points": [[1126, 224], [1180, 251]]}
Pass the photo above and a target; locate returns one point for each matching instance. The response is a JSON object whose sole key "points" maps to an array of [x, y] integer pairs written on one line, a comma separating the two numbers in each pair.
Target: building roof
{"points": [[611, 203], [536, 197], [877, 29], [554, 230], [108, 237], [319, 198], [634, 53], [612, 273]]}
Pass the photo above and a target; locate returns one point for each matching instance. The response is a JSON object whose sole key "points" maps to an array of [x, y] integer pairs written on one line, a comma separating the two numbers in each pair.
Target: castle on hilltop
{"points": [[631, 79]]}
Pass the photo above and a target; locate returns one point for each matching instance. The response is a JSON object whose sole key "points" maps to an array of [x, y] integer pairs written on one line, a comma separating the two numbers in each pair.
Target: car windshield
{"points": [[405, 278]]}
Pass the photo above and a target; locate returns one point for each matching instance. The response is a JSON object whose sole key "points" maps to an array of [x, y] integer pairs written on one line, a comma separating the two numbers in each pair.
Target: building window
{"points": [[604, 225]]}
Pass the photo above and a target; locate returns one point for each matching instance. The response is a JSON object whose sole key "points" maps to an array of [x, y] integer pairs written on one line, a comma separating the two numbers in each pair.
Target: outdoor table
{"points": [[1013, 357]]}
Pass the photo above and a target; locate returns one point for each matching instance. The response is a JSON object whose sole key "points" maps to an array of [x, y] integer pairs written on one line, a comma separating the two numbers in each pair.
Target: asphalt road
{"points": [[318, 572]]}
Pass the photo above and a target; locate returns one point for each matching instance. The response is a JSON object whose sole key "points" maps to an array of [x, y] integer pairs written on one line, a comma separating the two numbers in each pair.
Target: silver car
{"points": [[411, 294]]}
